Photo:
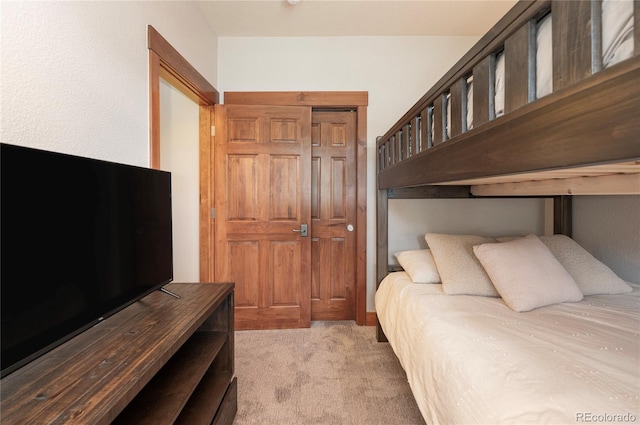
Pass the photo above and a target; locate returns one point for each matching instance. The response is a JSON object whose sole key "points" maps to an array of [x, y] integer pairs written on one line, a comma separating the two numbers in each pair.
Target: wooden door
{"points": [[333, 215], [262, 195]]}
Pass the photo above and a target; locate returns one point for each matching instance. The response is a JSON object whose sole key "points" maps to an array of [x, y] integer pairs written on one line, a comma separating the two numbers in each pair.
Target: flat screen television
{"points": [[80, 239]]}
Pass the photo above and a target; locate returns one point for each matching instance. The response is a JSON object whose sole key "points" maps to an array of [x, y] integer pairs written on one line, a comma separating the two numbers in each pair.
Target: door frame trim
{"points": [[167, 63], [359, 101]]}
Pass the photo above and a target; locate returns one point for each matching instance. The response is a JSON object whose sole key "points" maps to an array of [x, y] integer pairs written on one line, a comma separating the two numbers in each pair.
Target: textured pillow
{"points": [[419, 265], [459, 269], [592, 276], [526, 274]]}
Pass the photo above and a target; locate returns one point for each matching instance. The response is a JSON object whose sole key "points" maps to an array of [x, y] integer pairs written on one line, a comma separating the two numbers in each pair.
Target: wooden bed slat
{"points": [[434, 192], [571, 42], [395, 149], [614, 184], [563, 215], [387, 154], [406, 138], [590, 171], [399, 144], [438, 116], [457, 92], [482, 98], [425, 126], [519, 67], [415, 136]]}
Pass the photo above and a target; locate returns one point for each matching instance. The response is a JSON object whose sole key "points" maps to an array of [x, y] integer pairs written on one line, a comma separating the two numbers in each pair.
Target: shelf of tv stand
{"points": [[175, 383], [159, 361]]}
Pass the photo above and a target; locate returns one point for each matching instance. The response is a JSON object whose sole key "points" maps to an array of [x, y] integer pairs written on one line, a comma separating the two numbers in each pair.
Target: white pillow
{"points": [[459, 269], [526, 273], [592, 276], [419, 265]]}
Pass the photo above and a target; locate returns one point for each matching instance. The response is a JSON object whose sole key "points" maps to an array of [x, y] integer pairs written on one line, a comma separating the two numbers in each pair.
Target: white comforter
{"points": [[472, 360]]}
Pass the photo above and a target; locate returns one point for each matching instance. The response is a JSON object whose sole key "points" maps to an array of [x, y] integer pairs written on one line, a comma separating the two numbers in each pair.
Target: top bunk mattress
{"points": [[472, 360]]}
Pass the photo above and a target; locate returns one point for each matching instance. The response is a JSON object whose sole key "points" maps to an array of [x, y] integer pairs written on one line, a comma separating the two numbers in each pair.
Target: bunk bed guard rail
{"points": [[548, 77]]}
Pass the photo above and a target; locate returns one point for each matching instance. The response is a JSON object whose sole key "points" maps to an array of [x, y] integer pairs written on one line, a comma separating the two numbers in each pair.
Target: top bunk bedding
{"points": [[551, 92]]}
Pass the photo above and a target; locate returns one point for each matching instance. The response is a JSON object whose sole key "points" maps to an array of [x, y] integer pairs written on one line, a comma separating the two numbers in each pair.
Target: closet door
{"points": [[262, 201], [333, 215]]}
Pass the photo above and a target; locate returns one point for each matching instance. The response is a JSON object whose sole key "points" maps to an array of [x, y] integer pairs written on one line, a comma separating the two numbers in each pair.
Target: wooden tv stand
{"points": [[160, 360]]}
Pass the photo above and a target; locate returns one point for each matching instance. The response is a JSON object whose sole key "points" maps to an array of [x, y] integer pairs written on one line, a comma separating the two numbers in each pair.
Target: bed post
{"points": [[382, 231], [562, 215], [382, 248]]}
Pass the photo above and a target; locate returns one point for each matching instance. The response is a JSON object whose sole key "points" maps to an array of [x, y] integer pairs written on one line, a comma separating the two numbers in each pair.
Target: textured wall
{"points": [[410, 219], [75, 74]]}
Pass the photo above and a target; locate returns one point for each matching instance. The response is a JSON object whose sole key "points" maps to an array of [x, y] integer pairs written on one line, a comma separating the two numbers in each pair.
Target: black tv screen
{"points": [[81, 239]]}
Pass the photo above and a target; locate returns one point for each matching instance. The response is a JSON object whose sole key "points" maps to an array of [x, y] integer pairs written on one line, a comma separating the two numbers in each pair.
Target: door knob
{"points": [[303, 230]]}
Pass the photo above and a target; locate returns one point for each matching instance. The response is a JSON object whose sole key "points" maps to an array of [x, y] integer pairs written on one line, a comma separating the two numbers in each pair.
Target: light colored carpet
{"points": [[332, 373]]}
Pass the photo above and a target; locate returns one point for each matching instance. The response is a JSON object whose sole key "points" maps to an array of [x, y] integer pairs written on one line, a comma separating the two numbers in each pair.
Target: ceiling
{"points": [[323, 18]]}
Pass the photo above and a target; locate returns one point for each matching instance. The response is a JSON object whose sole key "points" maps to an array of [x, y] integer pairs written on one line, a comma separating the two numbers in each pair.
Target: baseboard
{"points": [[371, 319]]}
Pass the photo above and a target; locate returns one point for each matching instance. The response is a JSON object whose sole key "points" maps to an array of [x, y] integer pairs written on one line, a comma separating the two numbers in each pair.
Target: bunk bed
{"points": [[546, 104]]}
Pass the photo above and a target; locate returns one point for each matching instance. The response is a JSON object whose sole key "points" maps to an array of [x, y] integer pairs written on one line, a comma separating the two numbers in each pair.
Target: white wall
{"points": [[75, 74], [609, 228], [410, 219], [180, 152]]}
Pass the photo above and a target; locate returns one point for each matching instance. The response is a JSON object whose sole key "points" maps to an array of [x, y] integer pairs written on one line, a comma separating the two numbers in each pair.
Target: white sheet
{"points": [[544, 57], [617, 31], [472, 360], [499, 85], [430, 136], [470, 103], [448, 117]]}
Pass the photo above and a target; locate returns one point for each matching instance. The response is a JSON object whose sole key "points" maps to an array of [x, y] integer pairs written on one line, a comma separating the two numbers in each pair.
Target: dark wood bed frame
{"points": [[583, 138]]}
